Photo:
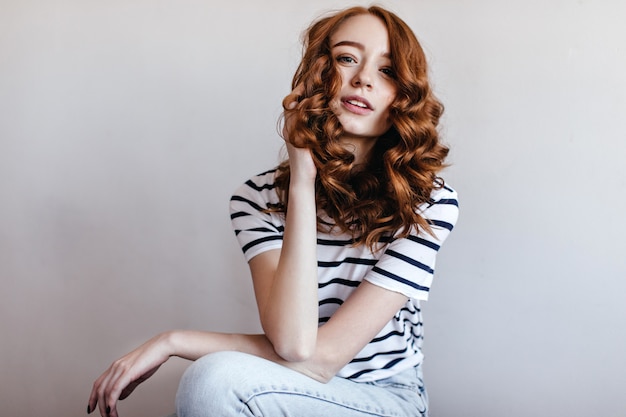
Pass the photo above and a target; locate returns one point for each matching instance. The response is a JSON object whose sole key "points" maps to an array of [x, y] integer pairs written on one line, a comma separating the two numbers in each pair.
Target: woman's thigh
{"points": [[236, 384]]}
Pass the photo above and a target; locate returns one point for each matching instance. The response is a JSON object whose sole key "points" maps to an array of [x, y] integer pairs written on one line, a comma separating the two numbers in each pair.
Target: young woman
{"points": [[341, 240]]}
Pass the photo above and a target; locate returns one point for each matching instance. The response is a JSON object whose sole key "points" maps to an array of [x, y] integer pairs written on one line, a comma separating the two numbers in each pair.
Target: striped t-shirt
{"points": [[405, 265]]}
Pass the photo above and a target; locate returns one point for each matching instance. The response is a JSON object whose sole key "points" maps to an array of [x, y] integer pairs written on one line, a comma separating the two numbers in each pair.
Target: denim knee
{"points": [[209, 385]]}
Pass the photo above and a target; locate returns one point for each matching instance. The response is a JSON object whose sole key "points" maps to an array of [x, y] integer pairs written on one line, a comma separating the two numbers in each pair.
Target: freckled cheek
{"points": [[390, 99], [392, 96]]}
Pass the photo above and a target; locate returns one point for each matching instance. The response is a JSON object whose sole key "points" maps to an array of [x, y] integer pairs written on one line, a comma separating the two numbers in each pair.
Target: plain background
{"points": [[126, 124]]}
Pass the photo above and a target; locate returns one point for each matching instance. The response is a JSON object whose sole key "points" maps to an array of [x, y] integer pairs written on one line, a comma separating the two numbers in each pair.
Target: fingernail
{"points": [[108, 410], [88, 409]]}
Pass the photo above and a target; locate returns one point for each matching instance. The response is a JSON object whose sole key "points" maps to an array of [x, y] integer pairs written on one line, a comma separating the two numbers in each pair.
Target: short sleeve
{"points": [[408, 264], [257, 230]]}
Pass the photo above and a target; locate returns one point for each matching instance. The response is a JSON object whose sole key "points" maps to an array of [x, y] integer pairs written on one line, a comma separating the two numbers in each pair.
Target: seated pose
{"points": [[341, 240]]}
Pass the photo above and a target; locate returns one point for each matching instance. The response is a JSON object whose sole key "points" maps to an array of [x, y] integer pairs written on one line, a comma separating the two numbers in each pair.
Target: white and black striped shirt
{"points": [[404, 265]]}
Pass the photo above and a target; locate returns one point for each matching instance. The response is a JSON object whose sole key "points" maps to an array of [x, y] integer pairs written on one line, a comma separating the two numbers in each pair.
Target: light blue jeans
{"points": [[229, 384]]}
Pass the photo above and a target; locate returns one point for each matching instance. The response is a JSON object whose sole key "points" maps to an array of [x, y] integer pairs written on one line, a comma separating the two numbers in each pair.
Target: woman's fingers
{"points": [[294, 97], [93, 397], [107, 389], [300, 158], [121, 377], [134, 384], [290, 102], [124, 375], [99, 392]]}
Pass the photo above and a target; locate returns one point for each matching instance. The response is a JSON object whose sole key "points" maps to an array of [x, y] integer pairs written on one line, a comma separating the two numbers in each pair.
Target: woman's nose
{"points": [[362, 78]]}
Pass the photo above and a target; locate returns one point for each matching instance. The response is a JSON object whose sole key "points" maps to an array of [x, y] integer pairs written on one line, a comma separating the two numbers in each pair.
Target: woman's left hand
{"points": [[300, 159], [125, 374]]}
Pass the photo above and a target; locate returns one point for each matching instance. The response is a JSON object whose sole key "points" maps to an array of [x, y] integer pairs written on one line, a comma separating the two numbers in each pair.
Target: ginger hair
{"points": [[381, 200]]}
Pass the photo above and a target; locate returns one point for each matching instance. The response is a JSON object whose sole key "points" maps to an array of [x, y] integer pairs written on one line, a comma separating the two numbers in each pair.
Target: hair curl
{"points": [[381, 200]]}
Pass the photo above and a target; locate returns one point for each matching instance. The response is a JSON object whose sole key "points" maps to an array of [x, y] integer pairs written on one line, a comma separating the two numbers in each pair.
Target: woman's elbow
{"points": [[294, 351], [310, 361]]}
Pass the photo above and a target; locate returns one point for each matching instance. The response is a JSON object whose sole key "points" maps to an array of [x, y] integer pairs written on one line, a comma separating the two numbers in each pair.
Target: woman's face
{"points": [[360, 48]]}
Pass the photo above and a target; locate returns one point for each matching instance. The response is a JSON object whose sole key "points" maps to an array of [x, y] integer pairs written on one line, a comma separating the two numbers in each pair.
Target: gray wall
{"points": [[125, 125]]}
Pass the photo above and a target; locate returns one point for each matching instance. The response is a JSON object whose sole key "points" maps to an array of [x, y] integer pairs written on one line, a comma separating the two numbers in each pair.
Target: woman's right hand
{"points": [[126, 373], [300, 159]]}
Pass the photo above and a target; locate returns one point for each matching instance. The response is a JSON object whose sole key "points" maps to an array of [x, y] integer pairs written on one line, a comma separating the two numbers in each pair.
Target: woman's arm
{"points": [[359, 319], [355, 323], [285, 281], [352, 326]]}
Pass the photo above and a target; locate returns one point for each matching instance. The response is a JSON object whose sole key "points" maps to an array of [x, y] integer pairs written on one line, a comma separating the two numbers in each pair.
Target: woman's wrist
{"points": [[302, 175], [168, 343], [192, 344], [301, 185]]}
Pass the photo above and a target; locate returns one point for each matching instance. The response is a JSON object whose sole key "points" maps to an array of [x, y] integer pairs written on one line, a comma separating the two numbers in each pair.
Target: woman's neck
{"points": [[360, 147]]}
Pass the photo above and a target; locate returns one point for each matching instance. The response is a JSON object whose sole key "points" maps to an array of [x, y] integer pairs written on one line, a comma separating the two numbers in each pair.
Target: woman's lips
{"points": [[356, 104]]}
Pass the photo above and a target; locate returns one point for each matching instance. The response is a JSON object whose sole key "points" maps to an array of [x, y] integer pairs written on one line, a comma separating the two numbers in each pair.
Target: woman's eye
{"points": [[388, 72], [346, 59]]}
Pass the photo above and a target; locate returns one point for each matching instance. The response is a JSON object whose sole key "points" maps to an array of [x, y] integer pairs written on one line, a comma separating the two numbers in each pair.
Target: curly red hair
{"points": [[383, 199]]}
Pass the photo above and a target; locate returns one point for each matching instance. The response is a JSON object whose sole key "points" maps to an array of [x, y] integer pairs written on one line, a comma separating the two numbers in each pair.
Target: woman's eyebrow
{"points": [[357, 45], [350, 43]]}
